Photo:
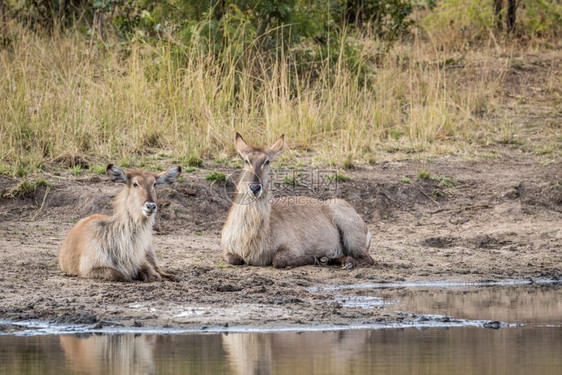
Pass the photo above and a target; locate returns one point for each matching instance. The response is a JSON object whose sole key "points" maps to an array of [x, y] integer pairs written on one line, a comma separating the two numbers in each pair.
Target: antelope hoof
{"points": [[149, 277], [347, 266], [173, 278], [234, 259]]}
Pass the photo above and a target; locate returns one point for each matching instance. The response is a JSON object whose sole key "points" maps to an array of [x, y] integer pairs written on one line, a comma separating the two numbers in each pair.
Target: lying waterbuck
{"points": [[119, 247], [294, 232]]}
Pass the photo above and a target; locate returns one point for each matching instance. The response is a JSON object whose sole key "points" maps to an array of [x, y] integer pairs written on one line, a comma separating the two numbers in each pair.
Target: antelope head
{"points": [[140, 186], [256, 176]]}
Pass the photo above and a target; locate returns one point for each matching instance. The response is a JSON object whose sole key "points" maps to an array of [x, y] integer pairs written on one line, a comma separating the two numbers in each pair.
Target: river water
{"points": [[530, 341]]}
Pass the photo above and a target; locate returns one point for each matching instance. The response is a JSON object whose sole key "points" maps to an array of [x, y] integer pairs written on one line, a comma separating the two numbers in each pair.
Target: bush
{"points": [[471, 21], [541, 18]]}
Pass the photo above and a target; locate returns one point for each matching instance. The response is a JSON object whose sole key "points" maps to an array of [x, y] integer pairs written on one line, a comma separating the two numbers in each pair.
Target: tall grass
{"points": [[61, 94]]}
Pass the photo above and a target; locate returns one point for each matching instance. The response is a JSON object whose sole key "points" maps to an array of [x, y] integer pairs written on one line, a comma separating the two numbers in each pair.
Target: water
{"points": [[535, 347], [529, 304], [468, 350]]}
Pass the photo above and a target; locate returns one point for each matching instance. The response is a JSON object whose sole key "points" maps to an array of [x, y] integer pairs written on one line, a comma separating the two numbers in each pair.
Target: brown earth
{"points": [[489, 219]]}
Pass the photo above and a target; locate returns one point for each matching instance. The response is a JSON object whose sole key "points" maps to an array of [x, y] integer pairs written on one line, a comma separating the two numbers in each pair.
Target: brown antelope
{"points": [[261, 231], [119, 247]]}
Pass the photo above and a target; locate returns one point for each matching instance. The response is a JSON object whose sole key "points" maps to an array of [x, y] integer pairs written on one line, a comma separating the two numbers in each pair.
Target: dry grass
{"points": [[60, 95]]}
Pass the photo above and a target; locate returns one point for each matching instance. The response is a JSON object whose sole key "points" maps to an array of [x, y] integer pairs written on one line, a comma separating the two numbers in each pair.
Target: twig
{"points": [[430, 198], [42, 204]]}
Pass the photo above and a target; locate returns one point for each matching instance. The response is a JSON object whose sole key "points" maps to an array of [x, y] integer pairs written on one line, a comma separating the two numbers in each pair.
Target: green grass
{"points": [[76, 170], [338, 177], [23, 170], [26, 188], [292, 179], [194, 161], [490, 155], [196, 112], [406, 180], [348, 163], [424, 174], [445, 182], [121, 101], [215, 176], [5, 170], [98, 169]]}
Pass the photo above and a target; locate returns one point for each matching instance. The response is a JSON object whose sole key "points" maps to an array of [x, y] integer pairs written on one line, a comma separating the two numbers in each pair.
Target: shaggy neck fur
{"points": [[247, 228], [127, 234], [126, 211]]}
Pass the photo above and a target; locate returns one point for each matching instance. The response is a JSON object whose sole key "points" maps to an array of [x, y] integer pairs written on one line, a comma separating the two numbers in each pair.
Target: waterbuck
{"points": [[262, 231], [119, 247]]}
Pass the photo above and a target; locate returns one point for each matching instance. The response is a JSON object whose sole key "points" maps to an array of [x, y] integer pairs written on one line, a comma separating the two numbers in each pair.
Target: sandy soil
{"points": [[491, 219]]}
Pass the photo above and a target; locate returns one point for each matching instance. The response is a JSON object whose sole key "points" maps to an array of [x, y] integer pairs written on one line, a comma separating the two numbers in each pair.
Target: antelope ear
{"points": [[277, 147], [241, 146], [116, 174], [169, 176]]}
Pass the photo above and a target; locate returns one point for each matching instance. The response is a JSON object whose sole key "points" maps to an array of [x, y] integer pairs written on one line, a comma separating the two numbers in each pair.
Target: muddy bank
{"points": [[481, 220]]}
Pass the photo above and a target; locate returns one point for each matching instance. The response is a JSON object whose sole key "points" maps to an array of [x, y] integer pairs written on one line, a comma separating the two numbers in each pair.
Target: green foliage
{"points": [[5, 169], [291, 180], [26, 188], [424, 174], [338, 177], [475, 19], [311, 31], [76, 170], [396, 134], [98, 169], [472, 19], [388, 19], [215, 177], [446, 182], [541, 17], [348, 163], [194, 161]]}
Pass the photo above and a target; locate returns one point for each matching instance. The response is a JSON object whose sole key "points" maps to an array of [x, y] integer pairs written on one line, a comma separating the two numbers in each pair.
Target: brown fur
{"points": [[289, 232], [119, 247]]}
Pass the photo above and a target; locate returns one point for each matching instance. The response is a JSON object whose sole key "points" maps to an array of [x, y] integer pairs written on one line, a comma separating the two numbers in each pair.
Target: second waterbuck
{"points": [[262, 231], [119, 247]]}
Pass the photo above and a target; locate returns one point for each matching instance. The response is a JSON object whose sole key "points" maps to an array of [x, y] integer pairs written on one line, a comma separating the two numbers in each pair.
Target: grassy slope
{"points": [[134, 105]]}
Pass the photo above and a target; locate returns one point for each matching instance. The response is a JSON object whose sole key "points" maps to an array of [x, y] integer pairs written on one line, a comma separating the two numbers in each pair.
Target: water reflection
{"points": [[115, 354], [515, 304], [467, 350], [315, 352]]}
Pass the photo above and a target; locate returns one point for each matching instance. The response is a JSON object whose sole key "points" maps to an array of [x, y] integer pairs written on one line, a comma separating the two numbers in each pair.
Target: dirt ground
{"points": [[485, 219], [494, 217]]}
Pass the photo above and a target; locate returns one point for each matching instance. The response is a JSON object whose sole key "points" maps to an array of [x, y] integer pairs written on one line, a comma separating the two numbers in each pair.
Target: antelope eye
{"points": [[266, 162], [135, 184]]}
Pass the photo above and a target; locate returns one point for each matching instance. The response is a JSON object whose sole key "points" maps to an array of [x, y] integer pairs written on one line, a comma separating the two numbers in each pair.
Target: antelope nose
{"points": [[150, 206], [255, 188]]}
